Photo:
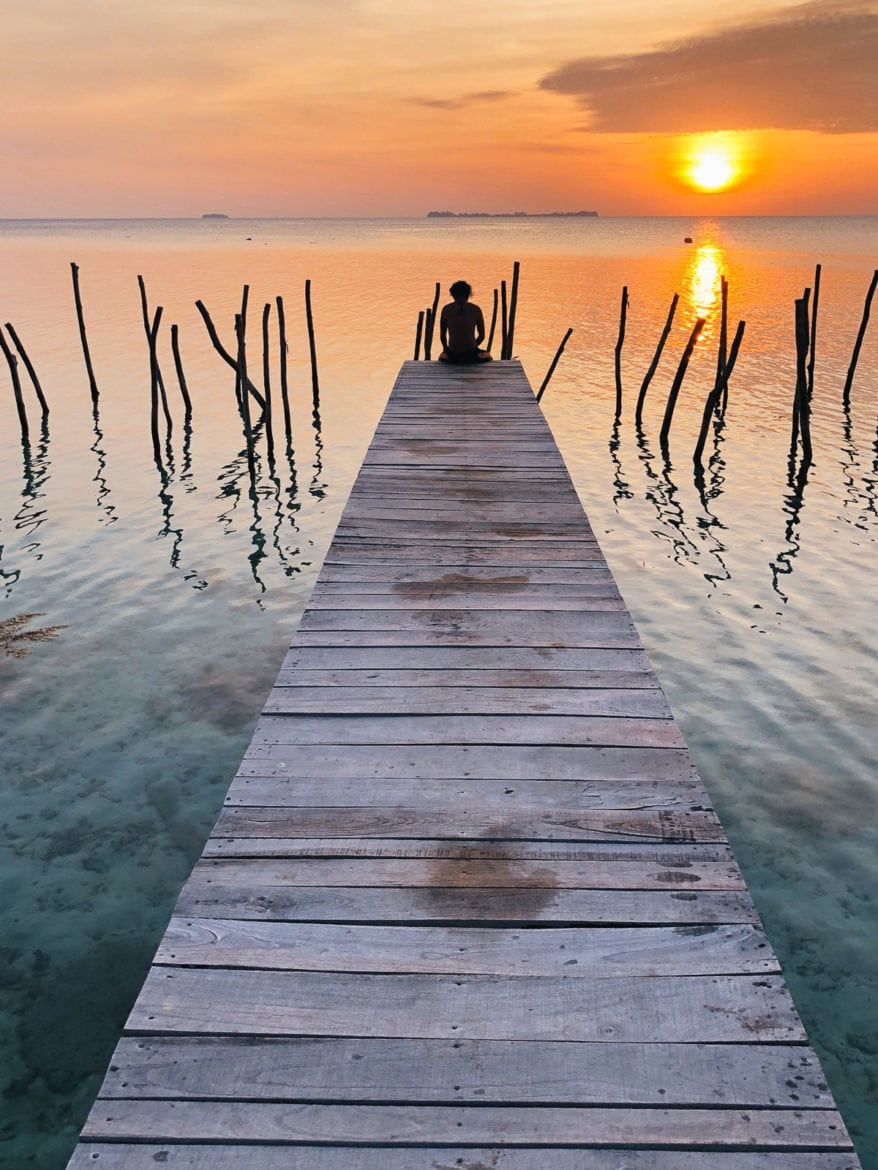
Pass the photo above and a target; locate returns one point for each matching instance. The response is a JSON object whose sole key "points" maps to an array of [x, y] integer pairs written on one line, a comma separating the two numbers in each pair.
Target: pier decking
{"points": [[467, 906]]}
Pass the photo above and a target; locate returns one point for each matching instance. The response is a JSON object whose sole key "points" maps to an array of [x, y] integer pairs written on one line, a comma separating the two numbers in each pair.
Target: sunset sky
{"points": [[396, 107]]}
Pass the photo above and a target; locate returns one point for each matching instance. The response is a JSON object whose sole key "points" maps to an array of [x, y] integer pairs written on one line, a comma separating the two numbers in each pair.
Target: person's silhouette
{"points": [[462, 328]]}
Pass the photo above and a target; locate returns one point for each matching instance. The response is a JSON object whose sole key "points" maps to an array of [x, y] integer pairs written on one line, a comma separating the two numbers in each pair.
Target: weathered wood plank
{"points": [[635, 702], [600, 598], [597, 952], [390, 860], [546, 682], [144, 1156], [519, 796], [596, 763], [554, 660], [703, 1009], [474, 1071], [661, 825], [781, 1129], [209, 895], [462, 729]]}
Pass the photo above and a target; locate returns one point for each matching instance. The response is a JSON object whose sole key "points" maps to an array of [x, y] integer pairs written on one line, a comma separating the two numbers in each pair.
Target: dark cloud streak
{"points": [[814, 67]]}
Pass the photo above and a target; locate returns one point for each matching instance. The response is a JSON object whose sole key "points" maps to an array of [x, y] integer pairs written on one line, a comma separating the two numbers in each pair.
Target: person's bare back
{"points": [[462, 327]]}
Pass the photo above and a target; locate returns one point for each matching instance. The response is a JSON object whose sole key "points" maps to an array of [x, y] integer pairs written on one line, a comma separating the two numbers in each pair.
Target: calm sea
{"points": [[161, 599]]}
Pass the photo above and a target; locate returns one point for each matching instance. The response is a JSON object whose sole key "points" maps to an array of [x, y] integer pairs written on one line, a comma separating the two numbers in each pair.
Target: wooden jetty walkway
{"points": [[467, 906]]}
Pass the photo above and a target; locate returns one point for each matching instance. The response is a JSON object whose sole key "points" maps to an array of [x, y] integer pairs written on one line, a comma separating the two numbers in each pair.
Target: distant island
{"points": [[508, 214], [214, 215]]}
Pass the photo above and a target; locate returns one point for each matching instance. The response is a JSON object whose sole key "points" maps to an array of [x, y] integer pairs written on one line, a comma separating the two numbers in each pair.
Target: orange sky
{"points": [[385, 107]]}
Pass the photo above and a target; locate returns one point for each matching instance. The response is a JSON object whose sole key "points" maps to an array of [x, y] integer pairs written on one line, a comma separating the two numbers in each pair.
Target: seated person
{"points": [[462, 328]]}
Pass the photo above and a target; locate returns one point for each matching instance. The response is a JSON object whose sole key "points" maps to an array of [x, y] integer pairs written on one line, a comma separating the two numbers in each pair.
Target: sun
{"points": [[712, 162], [712, 169]]}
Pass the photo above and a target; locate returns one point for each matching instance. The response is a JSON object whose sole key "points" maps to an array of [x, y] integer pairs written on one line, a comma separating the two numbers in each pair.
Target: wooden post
{"points": [[155, 368], [623, 313], [74, 268], [266, 381], [812, 343], [513, 306], [861, 333], [723, 343], [714, 394], [678, 381], [428, 333], [493, 322], [315, 385], [801, 407], [555, 361], [245, 400], [418, 334], [151, 335], [284, 389], [223, 352], [431, 323], [178, 366], [28, 364], [653, 365], [12, 362], [504, 323]]}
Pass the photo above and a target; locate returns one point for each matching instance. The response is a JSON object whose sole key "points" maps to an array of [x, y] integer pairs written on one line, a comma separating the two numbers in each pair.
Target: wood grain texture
{"points": [[466, 1071], [486, 1125], [705, 1009], [467, 905], [245, 1156], [599, 953]]}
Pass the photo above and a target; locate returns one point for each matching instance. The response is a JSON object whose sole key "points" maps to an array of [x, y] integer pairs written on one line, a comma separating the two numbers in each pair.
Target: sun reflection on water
{"points": [[703, 280]]}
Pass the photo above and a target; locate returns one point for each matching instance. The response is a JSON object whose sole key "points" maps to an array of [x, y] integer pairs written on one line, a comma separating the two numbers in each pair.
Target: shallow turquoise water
{"points": [[177, 596]]}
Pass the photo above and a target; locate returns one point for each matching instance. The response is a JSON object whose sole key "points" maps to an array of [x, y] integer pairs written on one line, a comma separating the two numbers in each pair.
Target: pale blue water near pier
{"points": [[177, 594]]}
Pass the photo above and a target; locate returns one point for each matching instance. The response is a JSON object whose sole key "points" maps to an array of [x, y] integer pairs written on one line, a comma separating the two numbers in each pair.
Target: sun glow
{"points": [[712, 162]]}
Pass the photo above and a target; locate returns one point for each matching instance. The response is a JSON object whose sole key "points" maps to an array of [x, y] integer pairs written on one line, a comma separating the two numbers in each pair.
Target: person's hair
{"points": [[460, 288]]}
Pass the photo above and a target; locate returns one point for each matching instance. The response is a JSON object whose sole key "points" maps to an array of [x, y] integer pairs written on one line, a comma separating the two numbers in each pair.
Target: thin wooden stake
{"points": [[245, 401], [155, 368], [178, 366], [653, 365], [315, 385], [504, 323], [861, 333], [723, 343], [284, 389], [513, 306], [418, 335], [431, 322], [222, 351], [428, 333], [623, 313], [493, 322], [801, 407], [28, 364], [151, 335], [555, 361], [678, 381], [266, 380], [12, 362], [714, 394], [74, 268], [812, 344]]}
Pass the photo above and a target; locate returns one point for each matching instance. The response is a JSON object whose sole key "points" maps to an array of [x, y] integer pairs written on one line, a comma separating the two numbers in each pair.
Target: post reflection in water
{"points": [[662, 493], [317, 487], [793, 502], [107, 509]]}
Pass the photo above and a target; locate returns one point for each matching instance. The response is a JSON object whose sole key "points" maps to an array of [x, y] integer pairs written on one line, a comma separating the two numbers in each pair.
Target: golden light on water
{"points": [[703, 278]]}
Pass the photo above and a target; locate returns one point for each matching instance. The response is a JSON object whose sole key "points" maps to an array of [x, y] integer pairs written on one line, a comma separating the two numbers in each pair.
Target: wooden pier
{"points": [[467, 906]]}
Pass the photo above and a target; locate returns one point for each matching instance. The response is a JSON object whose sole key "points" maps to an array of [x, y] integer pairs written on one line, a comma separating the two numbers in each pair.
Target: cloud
{"points": [[813, 67], [469, 99]]}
